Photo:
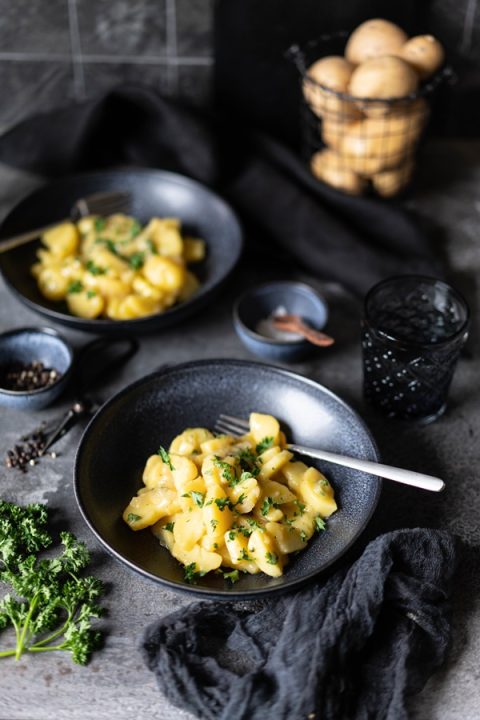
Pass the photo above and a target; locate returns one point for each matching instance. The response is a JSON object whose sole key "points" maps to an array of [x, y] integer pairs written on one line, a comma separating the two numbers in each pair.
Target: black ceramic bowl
{"points": [[153, 192], [26, 345], [149, 413]]}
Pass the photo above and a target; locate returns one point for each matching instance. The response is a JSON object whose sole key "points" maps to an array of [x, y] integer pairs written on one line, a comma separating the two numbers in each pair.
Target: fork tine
{"points": [[105, 203], [231, 426]]}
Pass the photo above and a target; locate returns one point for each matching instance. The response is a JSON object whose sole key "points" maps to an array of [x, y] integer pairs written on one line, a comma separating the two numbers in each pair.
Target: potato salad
{"points": [[113, 267], [229, 504]]}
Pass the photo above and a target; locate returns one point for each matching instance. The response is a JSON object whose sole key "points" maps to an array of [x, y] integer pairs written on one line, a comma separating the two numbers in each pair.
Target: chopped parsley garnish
{"points": [[222, 503], [191, 573], [198, 498], [324, 482], [267, 505], [244, 555], [169, 526], [232, 534], [91, 294], [213, 523], [94, 269], [137, 260], [264, 444], [271, 558], [165, 457], [75, 287], [303, 536], [320, 524], [109, 244], [233, 576], [241, 499], [131, 517], [228, 472], [254, 524], [135, 229], [246, 475], [151, 246], [301, 506], [100, 224], [248, 462], [246, 532]]}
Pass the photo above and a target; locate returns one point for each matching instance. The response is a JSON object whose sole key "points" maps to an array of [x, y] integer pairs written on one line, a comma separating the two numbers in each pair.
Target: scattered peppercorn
{"points": [[32, 376], [27, 451]]}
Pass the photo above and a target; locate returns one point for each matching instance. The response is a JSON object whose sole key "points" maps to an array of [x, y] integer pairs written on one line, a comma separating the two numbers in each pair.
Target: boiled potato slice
{"points": [[216, 445], [316, 492], [189, 288], [62, 240], [264, 426], [157, 473], [275, 464], [165, 234], [86, 304], [268, 454], [184, 471], [146, 289], [163, 533], [237, 547], [136, 306], [294, 472], [216, 518], [245, 494], [150, 506], [164, 273], [204, 560], [52, 284], [288, 538], [193, 249], [190, 441], [188, 529], [278, 492], [263, 550]]}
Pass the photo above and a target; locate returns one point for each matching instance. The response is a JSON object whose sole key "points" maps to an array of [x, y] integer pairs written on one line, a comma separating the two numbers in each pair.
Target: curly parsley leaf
{"points": [[233, 576], [198, 498], [320, 524], [75, 286], [271, 558], [267, 505], [228, 471], [191, 573], [51, 604]]}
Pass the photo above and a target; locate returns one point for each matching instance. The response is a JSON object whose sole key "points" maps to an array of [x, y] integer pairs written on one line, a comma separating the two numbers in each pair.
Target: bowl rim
{"points": [[305, 287], [141, 323], [42, 330], [192, 589]]}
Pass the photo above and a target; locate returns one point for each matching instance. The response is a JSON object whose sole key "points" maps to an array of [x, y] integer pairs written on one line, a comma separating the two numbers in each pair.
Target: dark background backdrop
{"points": [[56, 51]]}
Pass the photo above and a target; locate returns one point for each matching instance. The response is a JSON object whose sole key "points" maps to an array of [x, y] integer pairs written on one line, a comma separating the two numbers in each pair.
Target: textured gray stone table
{"points": [[116, 683]]}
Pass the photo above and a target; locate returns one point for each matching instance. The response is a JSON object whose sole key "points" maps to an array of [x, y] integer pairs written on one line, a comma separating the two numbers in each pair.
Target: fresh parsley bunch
{"points": [[50, 605]]}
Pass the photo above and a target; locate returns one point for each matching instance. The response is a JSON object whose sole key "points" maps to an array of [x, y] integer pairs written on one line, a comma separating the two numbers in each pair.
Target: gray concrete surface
{"points": [[116, 683]]}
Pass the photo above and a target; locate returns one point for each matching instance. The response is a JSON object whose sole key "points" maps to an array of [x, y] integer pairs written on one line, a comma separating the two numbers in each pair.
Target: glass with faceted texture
{"points": [[412, 333]]}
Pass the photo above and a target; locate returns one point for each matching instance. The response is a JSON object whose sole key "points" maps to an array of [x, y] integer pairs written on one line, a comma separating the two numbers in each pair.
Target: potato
{"points": [[378, 143], [189, 288], [382, 78], [62, 240], [164, 535], [107, 285], [157, 473], [293, 473], [189, 528], [52, 284], [372, 39], [424, 53], [332, 130], [288, 538], [150, 506], [204, 560], [316, 492], [263, 551], [216, 445], [248, 491], [183, 471], [278, 492], [236, 545], [391, 182], [193, 249], [331, 73], [328, 166], [216, 521], [86, 304], [189, 441], [274, 465], [164, 273], [165, 235], [141, 286], [264, 426]]}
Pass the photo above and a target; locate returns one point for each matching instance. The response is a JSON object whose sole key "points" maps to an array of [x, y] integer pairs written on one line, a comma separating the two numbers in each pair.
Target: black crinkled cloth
{"points": [[352, 240], [351, 648]]}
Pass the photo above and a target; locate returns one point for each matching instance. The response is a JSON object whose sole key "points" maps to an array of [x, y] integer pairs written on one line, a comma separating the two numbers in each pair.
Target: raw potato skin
{"points": [[326, 165], [391, 182], [332, 72], [383, 78], [424, 53], [374, 38]]}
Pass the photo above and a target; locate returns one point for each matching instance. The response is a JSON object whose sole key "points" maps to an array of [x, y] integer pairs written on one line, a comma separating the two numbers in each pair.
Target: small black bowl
{"points": [[260, 302], [27, 345], [131, 426], [153, 193]]}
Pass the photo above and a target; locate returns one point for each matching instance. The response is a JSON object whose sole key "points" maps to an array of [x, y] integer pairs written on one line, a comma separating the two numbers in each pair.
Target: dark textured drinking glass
{"points": [[413, 330]]}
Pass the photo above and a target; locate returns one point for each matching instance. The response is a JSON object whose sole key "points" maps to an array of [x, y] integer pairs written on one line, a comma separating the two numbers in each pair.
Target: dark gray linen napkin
{"points": [[351, 648]]}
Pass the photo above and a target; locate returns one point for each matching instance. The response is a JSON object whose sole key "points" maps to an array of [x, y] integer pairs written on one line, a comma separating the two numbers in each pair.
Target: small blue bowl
{"points": [[26, 345], [260, 302]]}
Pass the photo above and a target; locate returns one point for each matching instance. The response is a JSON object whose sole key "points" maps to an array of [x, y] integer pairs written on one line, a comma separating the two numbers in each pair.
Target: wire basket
{"points": [[357, 144]]}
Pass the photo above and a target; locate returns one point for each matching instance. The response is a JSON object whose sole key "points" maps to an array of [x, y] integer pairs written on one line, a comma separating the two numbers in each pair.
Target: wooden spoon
{"points": [[294, 323]]}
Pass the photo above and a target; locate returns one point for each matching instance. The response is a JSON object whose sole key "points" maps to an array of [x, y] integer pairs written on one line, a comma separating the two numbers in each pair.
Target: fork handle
{"points": [[407, 477], [24, 238]]}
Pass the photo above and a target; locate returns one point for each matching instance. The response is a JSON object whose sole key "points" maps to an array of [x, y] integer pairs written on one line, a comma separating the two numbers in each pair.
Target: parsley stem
{"points": [[34, 649], [7, 653], [21, 640], [53, 635]]}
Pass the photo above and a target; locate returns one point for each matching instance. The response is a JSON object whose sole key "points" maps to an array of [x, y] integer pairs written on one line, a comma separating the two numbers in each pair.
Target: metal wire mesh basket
{"points": [[354, 144]]}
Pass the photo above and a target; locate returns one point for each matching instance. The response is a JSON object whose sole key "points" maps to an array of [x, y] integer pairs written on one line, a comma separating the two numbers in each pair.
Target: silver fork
{"points": [[105, 203], [236, 426]]}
